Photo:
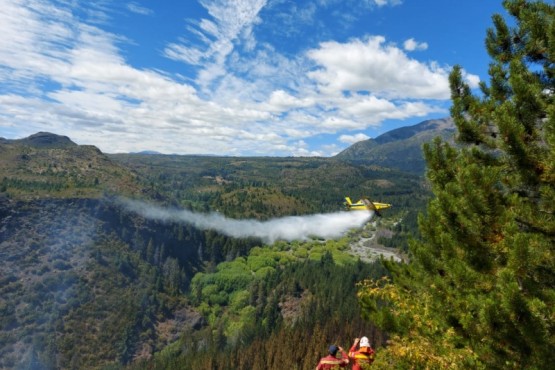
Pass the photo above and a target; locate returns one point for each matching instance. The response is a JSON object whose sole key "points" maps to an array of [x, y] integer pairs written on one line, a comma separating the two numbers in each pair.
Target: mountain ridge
{"points": [[44, 139], [53, 165], [407, 132], [404, 142], [400, 148]]}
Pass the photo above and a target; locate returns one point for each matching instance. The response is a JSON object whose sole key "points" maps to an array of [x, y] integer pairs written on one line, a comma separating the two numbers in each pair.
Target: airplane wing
{"points": [[376, 207], [371, 207], [369, 204]]}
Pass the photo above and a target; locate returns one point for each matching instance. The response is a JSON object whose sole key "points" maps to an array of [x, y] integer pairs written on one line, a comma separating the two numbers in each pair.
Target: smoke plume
{"points": [[324, 225]]}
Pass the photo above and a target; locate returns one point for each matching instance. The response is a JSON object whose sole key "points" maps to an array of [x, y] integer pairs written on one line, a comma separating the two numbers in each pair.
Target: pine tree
{"points": [[480, 289]]}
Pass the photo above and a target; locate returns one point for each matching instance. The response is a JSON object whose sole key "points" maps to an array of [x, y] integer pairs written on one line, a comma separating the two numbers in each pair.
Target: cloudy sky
{"points": [[233, 77]]}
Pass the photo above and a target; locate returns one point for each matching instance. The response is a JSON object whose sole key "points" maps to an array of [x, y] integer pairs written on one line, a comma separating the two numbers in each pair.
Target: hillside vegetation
{"points": [[269, 187], [87, 284], [48, 165]]}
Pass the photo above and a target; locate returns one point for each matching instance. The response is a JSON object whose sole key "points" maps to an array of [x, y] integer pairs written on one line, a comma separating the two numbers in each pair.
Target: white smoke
{"points": [[324, 225]]}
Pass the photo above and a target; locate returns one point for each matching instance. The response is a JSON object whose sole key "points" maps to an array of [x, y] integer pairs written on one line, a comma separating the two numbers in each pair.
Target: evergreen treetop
{"points": [[480, 289]]}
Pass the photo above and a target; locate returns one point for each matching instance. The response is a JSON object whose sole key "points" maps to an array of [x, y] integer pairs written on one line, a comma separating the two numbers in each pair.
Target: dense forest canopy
{"points": [[87, 283]]}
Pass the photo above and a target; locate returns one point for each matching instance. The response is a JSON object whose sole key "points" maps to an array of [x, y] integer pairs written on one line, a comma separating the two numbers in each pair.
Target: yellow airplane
{"points": [[365, 205]]}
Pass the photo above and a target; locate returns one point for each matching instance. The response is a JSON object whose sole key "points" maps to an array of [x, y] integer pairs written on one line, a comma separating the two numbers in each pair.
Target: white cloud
{"points": [[33, 47], [282, 101], [301, 149], [136, 8], [99, 91], [374, 66], [472, 80], [411, 45], [381, 3], [66, 76], [232, 22], [359, 112], [364, 105], [351, 139]]}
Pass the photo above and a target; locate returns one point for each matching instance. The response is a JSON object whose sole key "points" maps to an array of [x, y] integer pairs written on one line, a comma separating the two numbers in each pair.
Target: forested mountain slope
{"points": [[268, 187], [86, 283], [49, 165]]}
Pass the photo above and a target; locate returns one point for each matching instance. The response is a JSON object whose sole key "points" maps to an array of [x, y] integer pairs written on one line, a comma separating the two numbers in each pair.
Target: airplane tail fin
{"points": [[348, 201]]}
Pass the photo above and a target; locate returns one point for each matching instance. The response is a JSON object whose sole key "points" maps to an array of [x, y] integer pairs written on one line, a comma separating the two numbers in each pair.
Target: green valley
{"points": [[86, 283]]}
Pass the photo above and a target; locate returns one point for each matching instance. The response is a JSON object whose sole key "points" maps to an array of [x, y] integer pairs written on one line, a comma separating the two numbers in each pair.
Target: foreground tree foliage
{"points": [[480, 290]]}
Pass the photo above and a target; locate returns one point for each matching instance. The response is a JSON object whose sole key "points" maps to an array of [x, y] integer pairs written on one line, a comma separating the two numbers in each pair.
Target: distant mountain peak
{"points": [[400, 148], [147, 152], [403, 133], [47, 140]]}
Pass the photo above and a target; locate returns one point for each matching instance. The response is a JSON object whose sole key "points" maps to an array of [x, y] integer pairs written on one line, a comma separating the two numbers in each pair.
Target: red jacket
{"points": [[365, 355], [331, 362]]}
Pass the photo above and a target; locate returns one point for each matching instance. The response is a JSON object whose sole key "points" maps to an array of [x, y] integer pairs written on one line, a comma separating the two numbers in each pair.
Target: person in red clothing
{"points": [[365, 354], [331, 361]]}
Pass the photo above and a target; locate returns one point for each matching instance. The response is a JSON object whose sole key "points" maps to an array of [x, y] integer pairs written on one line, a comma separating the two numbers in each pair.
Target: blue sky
{"points": [[233, 77]]}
